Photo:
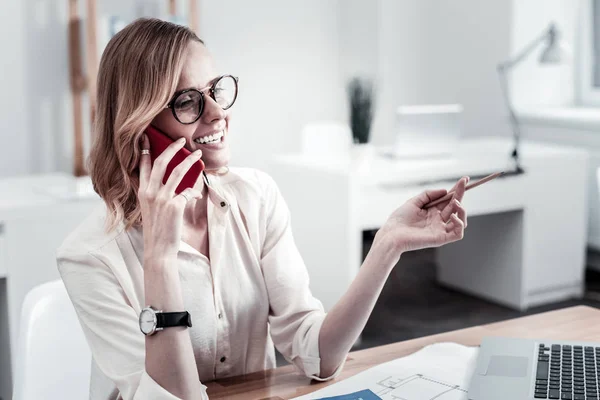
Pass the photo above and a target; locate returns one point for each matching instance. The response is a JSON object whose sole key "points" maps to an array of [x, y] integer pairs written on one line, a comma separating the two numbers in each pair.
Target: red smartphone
{"points": [[159, 141]]}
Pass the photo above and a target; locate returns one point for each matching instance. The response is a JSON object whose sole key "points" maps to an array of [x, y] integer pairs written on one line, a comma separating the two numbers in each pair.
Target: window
{"points": [[589, 59], [596, 42]]}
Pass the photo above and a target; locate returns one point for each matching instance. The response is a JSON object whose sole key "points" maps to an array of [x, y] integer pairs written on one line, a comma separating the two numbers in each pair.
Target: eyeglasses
{"points": [[187, 105]]}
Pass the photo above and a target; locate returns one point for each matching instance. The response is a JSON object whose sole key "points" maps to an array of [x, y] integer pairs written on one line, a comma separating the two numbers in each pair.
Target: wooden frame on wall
{"points": [[85, 81], [77, 81]]}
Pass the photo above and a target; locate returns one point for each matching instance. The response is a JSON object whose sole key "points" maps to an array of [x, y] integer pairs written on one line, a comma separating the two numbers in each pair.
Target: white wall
{"points": [[534, 84], [293, 59], [47, 101], [36, 108], [15, 159], [443, 52], [359, 38], [286, 54]]}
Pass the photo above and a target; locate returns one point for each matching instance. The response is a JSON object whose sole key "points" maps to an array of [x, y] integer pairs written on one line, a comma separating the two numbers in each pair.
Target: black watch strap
{"points": [[170, 319]]}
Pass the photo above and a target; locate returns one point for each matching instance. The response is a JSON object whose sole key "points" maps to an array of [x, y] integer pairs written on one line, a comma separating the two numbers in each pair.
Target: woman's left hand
{"points": [[411, 227]]}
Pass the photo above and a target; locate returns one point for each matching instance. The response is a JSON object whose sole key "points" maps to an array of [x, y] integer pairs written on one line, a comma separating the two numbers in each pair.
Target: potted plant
{"points": [[360, 96]]}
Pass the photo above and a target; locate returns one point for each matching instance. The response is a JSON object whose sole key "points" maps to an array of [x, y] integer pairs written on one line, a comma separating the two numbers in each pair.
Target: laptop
{"points": [[524, 369], [427, 131]]}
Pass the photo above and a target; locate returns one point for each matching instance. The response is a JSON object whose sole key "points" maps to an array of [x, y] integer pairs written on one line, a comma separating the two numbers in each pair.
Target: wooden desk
{"points": [[575, 323]]}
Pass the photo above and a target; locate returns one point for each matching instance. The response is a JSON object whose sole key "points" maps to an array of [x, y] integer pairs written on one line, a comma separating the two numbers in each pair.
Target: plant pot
{"points": [[361, 157]]}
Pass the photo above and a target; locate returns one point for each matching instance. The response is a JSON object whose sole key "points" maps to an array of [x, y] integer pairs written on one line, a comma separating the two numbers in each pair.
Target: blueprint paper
{"points": [[362, 395], [437, 372]]}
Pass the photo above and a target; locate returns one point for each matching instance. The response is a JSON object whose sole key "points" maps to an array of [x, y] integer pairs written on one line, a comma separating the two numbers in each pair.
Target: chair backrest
{"points": [[53, 360]]}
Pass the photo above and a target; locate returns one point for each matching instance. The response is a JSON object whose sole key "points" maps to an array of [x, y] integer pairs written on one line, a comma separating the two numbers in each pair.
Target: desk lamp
{"points": [[555, 52]]}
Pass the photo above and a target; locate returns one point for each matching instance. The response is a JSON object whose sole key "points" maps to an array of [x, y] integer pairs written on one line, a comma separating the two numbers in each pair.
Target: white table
{"points": [[36, 214], [526, 240]]}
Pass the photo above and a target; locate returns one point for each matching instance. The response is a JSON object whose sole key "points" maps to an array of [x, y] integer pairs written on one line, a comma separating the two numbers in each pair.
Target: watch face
{"points": [[147, 321]]}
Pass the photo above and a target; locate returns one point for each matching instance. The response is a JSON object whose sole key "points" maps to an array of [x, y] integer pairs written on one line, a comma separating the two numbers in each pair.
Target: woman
{"points": [[220, 254]]}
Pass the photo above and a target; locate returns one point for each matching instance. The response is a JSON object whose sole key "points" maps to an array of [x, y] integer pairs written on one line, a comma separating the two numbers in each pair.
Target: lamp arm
{"points": [[551, 30], [511, 112], [503, 68]]}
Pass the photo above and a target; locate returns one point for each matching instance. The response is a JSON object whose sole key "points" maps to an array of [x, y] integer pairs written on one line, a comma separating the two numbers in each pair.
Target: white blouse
{"points": [[252, 294]]}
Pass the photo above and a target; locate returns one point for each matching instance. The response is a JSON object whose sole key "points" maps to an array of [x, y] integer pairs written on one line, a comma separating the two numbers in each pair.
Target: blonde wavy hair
{"points": [[138, 74]]}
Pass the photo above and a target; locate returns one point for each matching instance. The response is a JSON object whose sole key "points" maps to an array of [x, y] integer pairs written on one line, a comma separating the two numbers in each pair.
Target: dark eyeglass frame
{"points": [[211, 91]]}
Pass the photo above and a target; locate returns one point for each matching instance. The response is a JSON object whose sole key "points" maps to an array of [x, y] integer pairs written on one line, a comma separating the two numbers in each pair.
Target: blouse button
{"points": [[223, 359], [223, 204], [220, 315]]}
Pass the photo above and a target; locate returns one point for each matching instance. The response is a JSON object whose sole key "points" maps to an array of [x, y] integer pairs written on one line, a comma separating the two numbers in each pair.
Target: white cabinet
{"points": [[2, 252], [526, 241], [36, 214]]}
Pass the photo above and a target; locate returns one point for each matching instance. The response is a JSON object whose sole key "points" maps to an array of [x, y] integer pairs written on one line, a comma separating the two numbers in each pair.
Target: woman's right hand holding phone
{"points": [[169, 356], [162, 209]]}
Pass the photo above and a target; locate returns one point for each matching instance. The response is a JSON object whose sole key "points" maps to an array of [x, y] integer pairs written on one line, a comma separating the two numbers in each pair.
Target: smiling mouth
{"points": [[214, 138]]}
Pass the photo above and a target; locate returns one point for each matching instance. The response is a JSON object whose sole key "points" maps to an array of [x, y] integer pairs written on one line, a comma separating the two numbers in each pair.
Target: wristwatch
{"points": [[152, 320]]}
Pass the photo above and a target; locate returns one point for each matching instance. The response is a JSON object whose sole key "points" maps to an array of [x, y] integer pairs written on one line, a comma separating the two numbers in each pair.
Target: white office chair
{"points": [[53, 360]]}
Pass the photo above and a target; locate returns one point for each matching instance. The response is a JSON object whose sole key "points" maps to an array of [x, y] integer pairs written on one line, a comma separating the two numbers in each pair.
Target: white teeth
{"points": [[210, 138]]}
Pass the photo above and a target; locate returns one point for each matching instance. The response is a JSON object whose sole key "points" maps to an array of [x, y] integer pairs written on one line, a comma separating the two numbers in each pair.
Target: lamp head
{"points": [[557, 50]]}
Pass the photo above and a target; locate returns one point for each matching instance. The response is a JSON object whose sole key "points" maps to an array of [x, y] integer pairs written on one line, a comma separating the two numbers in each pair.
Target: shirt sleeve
{"points": [[110, 326], [295, 315]]}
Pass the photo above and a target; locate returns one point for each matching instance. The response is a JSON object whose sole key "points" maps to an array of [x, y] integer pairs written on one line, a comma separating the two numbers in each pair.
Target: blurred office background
{"points": [[295, 60]]}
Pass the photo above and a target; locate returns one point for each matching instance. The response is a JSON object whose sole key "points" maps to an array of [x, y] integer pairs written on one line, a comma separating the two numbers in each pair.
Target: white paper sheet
{"points": [[440, 371]]}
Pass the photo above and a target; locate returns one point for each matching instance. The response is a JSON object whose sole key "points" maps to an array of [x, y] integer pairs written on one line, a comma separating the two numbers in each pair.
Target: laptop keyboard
{"points": [[567, 372]]}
